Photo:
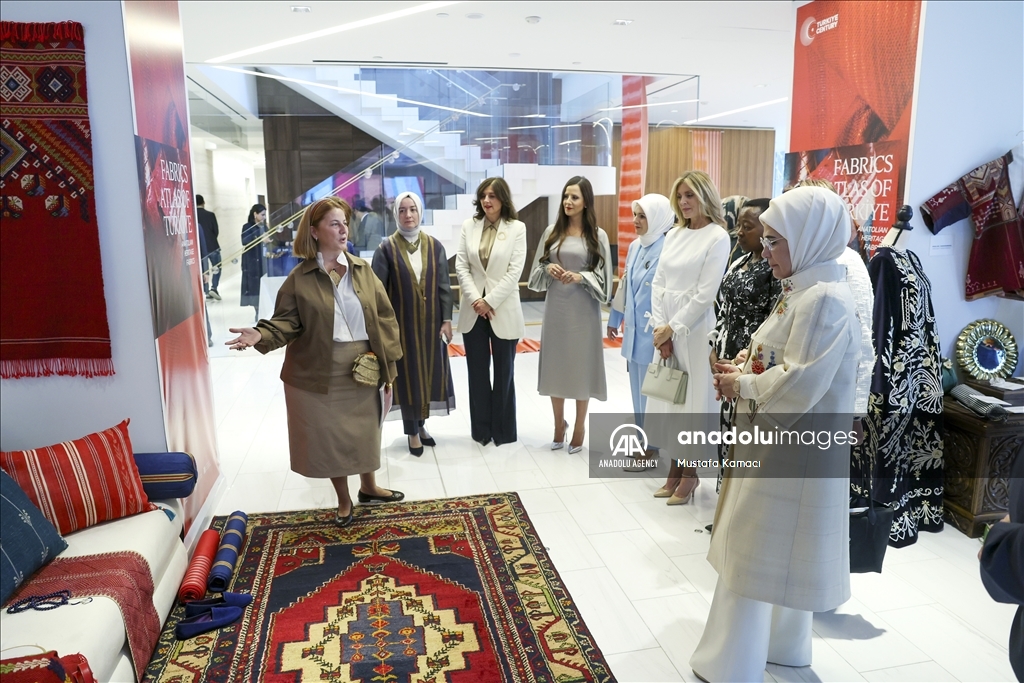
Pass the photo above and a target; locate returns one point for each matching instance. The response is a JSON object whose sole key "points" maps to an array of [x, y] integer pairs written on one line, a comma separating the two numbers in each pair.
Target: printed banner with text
{"points": [[853, 87]]}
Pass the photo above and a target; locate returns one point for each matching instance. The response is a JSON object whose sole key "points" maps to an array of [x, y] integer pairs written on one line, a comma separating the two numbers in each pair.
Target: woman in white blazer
{"points": [[491, 256], [781, 542]]}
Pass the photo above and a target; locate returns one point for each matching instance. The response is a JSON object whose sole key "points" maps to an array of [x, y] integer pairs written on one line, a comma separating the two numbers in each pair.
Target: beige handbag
{"points": [[665, 382], [366, 370]]}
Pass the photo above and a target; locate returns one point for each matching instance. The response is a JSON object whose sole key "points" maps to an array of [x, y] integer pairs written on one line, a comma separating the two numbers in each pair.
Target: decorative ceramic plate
{"points": [[986, 349]]}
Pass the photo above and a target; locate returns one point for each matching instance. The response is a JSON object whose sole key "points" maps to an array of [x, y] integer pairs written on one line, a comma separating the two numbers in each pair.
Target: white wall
{"points": [[229, 181], [41, 411], [970, 110]]}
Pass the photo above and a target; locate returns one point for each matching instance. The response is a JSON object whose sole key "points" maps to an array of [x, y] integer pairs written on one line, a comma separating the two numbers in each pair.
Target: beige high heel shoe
{"points": [[688, 496]]}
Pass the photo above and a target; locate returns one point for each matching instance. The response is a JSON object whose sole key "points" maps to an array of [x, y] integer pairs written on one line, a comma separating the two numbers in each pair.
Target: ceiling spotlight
{"points": [[622, 22], [576, 63], [442, 15], [302, 9], [514, 54], [474, 15], [533, 20], [377, 57]]}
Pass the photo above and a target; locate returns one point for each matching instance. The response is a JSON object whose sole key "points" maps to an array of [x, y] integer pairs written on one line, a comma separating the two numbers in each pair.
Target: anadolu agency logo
{"points": [[628, 444]]}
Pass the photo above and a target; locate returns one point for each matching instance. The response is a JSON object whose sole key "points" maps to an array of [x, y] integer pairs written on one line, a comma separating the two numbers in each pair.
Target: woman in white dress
{"points": [[573, 265], [693, 262]]}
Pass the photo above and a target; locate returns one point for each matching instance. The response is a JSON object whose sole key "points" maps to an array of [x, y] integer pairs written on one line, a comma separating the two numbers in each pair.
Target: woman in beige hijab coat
{"points": [[781, 543]]}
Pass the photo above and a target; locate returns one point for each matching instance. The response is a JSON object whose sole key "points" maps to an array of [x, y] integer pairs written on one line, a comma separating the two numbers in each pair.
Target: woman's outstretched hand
{"points": [[247, 336]]}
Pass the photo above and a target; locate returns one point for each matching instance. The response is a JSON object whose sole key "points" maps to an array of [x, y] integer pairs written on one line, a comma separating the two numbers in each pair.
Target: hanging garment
{"points": [[903, 428], [993, 195]]}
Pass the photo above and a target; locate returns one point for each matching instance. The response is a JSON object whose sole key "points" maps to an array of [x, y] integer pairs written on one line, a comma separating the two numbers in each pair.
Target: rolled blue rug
{"points": [[227, 554]]}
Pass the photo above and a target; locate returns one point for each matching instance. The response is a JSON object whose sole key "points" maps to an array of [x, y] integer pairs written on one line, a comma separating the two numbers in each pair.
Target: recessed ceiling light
{"points": [[302, 9], [442, 15], [674, 111], [622, 22], [514, 54], [377, 57], [761, 85], [703, 102], [533, 20], [474, 15], [576, 63]]}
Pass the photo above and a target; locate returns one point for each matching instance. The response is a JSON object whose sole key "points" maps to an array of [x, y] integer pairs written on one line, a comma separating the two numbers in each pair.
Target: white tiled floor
{"points": [[635, 567]]}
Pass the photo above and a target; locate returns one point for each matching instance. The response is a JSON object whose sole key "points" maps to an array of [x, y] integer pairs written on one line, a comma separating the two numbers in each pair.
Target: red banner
{"points": [[165, 171], [633, 164], [853, 86]]}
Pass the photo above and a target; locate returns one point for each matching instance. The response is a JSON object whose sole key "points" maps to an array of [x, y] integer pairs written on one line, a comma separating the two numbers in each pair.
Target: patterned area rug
{"points": [[457, 590]]}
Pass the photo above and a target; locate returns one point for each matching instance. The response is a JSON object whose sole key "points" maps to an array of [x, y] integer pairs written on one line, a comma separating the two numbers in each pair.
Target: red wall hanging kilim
{"points": [[53, 318]]}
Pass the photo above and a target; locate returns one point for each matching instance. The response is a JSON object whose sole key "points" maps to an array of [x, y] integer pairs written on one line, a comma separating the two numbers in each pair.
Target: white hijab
{"points": [[410, 235], [659, 214], [814, 222]]}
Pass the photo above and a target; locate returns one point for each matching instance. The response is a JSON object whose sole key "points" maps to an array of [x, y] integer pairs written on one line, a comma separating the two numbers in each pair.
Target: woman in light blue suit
{"points": [[652, 217]]}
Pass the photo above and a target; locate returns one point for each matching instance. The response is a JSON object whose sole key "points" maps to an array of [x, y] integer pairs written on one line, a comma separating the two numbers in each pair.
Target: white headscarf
{"points": [[410, 235], [814, 222], [659, 214]]}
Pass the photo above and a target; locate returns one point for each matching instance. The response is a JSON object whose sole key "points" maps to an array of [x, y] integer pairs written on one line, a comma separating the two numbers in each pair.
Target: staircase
{"points": [[413, 130]]}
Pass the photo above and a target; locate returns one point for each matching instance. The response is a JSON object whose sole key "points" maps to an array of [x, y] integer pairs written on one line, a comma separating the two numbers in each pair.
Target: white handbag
{"points": [[665, 382]]}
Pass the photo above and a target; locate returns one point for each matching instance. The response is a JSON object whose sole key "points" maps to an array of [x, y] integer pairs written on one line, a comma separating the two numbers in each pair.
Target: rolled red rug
{"points": [[193, 586]]}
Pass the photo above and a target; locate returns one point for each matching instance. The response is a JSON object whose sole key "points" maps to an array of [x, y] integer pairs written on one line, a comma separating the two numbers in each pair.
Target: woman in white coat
{"points": [[491, 256], [781, 544], [693, 261]]}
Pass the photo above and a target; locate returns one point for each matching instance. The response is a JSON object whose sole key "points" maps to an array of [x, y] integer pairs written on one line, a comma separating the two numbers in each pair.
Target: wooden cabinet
{"points": [[978, 455]]}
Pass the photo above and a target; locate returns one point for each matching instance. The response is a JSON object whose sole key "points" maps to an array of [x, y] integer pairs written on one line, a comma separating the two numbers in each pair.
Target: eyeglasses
{"points": [[770, 242]]}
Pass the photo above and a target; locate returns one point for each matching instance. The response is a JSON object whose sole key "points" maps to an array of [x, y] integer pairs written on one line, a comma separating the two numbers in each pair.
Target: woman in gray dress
{"points": [[573, 264]]}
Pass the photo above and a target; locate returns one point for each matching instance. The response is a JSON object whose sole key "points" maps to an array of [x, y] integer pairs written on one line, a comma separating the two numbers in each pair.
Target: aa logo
{"points": [[628, 441]]}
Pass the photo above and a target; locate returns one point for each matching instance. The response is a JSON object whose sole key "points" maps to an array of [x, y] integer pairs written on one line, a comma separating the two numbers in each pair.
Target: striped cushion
{"points": [[79, 483]]}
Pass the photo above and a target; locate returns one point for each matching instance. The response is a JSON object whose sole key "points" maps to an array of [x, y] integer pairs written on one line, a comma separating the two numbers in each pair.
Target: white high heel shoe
{"points": [[559, 445], [577, 449]]}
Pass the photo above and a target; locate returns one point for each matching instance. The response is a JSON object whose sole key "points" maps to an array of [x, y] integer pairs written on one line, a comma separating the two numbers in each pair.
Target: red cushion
{"points": [[83, 482]]}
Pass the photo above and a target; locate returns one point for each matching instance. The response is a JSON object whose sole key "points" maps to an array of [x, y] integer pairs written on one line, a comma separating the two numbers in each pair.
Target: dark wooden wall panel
{"points": [[535, 216]]}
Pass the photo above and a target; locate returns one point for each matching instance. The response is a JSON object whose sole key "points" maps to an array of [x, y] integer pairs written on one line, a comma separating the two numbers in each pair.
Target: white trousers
{"points": [[743, 635]]}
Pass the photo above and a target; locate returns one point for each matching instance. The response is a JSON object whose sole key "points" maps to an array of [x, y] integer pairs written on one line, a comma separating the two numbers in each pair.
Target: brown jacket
{"points": [[304, 320]]}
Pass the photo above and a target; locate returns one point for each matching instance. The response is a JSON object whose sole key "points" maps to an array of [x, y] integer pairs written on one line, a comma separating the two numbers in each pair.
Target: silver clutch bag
{"points": [[665, 382]]}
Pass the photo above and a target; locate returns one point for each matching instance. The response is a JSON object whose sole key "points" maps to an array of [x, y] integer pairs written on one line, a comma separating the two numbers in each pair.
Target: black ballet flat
{"points": [[418, 451], [395, 497], [343, 521]]}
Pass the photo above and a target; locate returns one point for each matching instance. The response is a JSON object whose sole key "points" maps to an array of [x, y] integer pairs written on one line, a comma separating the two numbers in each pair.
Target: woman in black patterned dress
{"points": [[745, 298]]}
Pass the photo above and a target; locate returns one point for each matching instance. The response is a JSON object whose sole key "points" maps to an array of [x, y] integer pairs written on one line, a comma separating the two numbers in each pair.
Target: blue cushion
{"points": [[27, 539], [167, 475]]}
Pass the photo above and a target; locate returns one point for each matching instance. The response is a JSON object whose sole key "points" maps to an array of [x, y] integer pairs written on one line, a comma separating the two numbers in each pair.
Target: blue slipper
{"points": [[197, 607], [214, 618]]}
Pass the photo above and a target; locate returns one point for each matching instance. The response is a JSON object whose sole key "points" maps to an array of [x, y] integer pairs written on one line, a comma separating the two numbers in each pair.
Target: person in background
{"points": [[746, 297], [492, 252], [693, 260], [204, 275], [337, 323], [414, 269], [1002, 563], [253, 238], [573, 265], [731, 207], [652, 218], [781, 544], [211, 231]]}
